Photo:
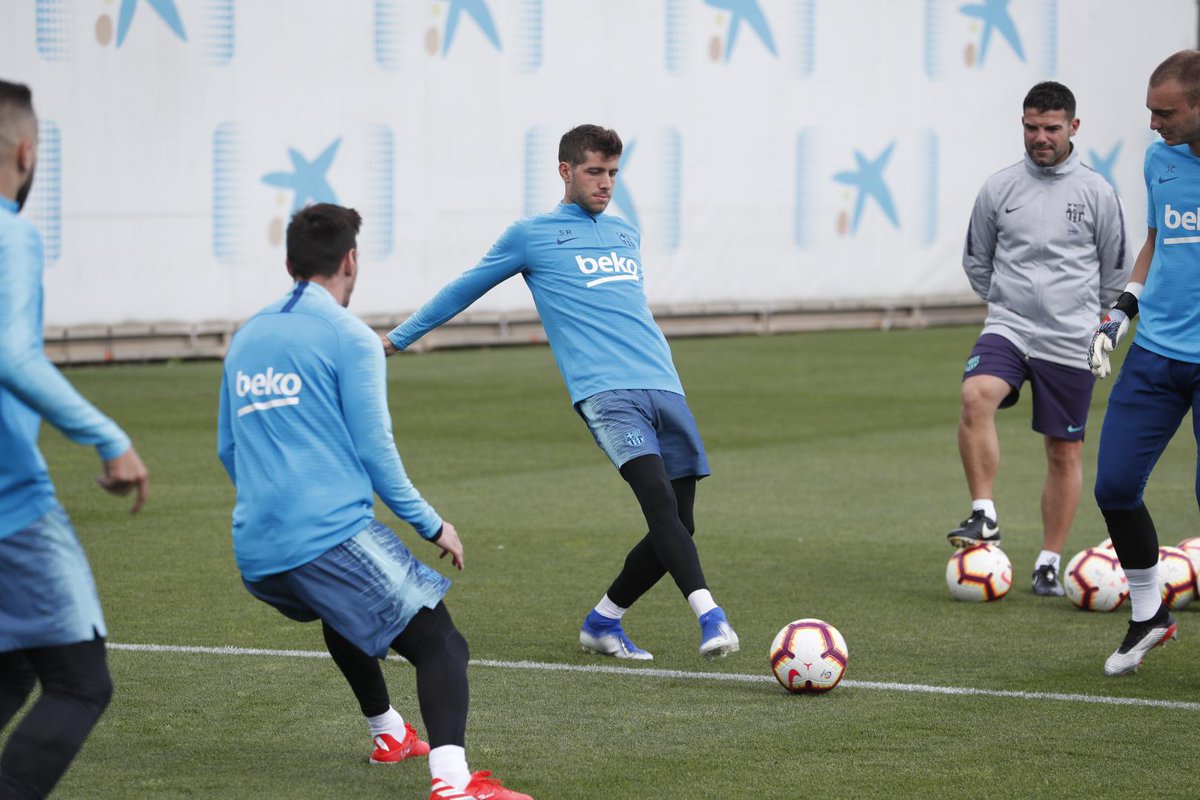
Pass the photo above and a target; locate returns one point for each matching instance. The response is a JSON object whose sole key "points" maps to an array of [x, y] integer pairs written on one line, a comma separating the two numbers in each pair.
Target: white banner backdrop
{"points": [[776, 151]]}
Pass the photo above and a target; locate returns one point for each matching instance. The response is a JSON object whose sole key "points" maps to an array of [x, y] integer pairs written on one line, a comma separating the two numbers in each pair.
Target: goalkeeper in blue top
{"points": [[584, 269], [1160, 379], [303, 431]]}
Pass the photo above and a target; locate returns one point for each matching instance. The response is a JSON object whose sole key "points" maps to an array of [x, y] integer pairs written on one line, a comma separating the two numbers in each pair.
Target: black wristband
{"points": [[437, 535], [1127, 303]]}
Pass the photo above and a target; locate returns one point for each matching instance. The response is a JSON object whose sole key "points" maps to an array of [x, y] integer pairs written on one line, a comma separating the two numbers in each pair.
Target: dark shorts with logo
{"points": [[629, 423], [1061, 395]]}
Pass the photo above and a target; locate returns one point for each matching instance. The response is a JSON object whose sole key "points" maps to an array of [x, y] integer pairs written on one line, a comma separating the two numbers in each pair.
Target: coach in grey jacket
{"points": [[1046, 250]]}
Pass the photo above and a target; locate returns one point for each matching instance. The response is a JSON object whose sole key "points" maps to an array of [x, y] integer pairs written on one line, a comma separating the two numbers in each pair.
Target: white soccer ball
{"points": [[980, 573], [1192, 548], [1106, 545], [1094, 580], [809, 656], [1176, 577]]}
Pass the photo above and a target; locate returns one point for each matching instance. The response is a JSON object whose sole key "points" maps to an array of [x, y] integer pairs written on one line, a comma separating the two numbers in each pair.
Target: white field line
{"points": [[540, 666]]}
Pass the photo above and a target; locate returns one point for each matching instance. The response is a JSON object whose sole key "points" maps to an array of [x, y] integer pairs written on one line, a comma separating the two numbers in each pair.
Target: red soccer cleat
{"points": [[444, 791], [389, 751], [484, 787]]}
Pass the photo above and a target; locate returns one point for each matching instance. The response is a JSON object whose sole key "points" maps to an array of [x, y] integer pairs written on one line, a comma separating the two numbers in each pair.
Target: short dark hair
{"points": [[575, 143], [1050, 96], [1184, 68], [16, 99], [318, 238]]}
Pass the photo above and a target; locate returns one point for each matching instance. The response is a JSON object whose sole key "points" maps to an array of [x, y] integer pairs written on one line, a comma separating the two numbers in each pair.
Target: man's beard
{"points": [[23, 192]]}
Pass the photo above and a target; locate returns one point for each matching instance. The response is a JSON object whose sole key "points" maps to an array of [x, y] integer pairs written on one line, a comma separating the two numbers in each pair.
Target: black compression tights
{"points": [[76, 688], [1133, 536], [439, 653], [667, 547]]}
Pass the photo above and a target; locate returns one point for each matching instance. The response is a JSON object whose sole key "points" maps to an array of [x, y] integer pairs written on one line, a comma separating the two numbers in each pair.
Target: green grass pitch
{"points": [[836, 476]]}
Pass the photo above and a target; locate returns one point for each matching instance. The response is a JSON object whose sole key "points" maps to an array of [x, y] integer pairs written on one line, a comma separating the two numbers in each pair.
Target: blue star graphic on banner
{"points": [[479, 12], [744, 11], [995, 16], [868, 179], [1104, 164], [307, 178], [620, 194], [165, 9]]}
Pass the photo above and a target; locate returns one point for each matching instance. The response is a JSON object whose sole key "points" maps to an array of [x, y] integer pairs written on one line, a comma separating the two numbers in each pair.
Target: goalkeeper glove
{"points": [[1112, 330]]}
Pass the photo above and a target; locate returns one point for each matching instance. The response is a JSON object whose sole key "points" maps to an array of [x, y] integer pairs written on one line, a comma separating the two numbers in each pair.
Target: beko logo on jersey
{"points": [[619, 268], [268, 384], [1181, 220]]}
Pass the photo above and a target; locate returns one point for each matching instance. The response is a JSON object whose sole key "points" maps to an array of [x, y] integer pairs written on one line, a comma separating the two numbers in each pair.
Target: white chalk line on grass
{"points": [[644, 672]]}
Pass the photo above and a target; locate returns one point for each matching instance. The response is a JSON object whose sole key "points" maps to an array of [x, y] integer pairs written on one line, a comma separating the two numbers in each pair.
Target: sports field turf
{"points": [[836, 476]]}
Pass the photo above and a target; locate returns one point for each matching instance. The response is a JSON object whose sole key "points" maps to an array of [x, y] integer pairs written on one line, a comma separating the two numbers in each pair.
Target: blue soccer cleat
{"points": [[603, 635], [717, 637]]}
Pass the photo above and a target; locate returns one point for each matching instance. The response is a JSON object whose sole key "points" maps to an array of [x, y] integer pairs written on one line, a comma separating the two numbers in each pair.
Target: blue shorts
{"points": [[1146, 406], [1061, 395], [629, 423], [47, 594], [368, 589]]}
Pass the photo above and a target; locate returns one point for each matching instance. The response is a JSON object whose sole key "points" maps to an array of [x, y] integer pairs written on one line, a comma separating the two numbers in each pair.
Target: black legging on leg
{"points": [[1133, 536], [439, 653], [361, 671], [76, 688], [667, 547]]}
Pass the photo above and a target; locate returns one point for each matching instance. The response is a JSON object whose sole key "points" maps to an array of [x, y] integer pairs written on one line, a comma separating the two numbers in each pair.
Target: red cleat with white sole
{"points": [[482, 787], [389, 751]]}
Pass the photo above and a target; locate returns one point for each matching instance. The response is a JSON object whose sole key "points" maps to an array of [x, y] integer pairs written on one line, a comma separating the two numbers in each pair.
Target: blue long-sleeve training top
{"points": [[585, 274], [305, 435], [32, 388], [1170, 304]]}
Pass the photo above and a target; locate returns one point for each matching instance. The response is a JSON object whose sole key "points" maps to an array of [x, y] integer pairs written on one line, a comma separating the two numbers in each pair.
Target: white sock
{"points": [[1047, 557], [1144, 593], [449, 762], [987, 507], [389, 721], [701, 602], [607, 608]]}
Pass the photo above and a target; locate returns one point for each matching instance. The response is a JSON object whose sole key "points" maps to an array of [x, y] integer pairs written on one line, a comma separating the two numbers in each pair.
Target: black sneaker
{"points": [[1140, 639], [1045, 582], [975, 529]]}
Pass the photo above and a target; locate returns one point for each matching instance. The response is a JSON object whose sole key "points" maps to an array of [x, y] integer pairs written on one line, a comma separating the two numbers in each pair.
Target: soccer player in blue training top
{"points": [[51, 626], [584, 269], [1046, 250], [304, 433], [1160, 379]]}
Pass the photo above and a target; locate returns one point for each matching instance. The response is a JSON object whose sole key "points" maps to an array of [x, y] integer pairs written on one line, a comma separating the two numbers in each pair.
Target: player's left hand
{"points": [[124, 474], [1105, 340], [388, 348], [450, 544]]}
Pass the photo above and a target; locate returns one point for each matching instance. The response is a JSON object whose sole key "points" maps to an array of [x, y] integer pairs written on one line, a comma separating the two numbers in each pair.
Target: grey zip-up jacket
{"points": [[1046, 250]]}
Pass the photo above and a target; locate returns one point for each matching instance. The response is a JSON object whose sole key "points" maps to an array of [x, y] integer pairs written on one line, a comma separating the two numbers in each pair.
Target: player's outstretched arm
{"points": [[505, 258], [124, 474], [1116, 324], [451, 545]]}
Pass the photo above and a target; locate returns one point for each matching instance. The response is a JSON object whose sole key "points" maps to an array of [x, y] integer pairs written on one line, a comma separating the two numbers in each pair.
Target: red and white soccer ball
{"points": [[809, 656], [1192, 548], [1106, 545], [1176, 577], [1094, 580], [980, 573]]}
